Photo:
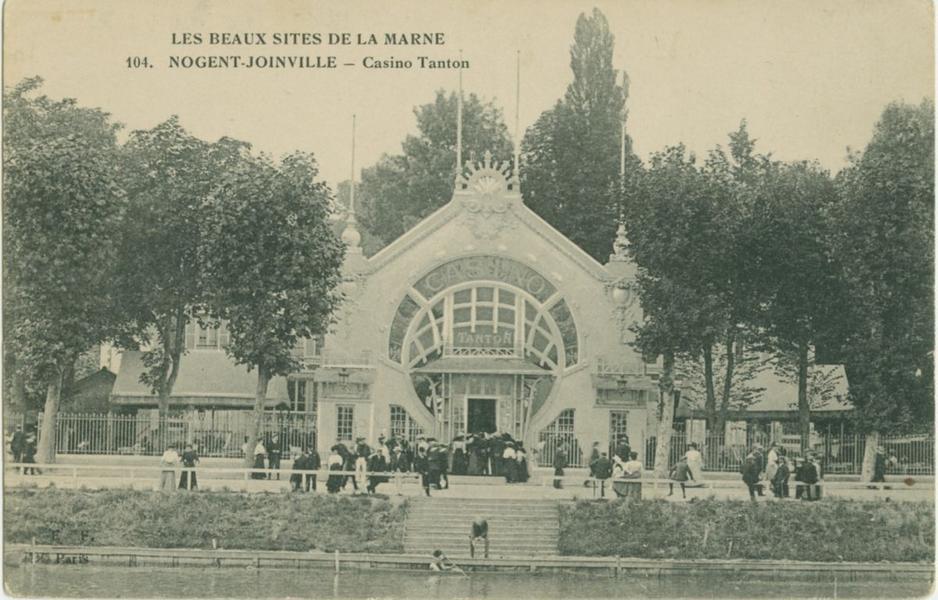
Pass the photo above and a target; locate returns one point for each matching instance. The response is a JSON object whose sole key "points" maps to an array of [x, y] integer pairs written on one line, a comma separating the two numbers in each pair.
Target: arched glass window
{"points": [[484, 318]]}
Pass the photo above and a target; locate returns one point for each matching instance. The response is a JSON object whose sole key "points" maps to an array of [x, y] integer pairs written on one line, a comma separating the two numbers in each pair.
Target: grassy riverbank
{"points": [[831, 530], [191, 520]]}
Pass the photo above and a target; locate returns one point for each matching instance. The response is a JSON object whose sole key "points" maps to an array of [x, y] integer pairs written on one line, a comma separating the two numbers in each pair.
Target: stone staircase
{"points": [[517, 528]]}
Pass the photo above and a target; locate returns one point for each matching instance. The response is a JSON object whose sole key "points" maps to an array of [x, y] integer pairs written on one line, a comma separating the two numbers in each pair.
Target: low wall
{"points": [[338, 562]]}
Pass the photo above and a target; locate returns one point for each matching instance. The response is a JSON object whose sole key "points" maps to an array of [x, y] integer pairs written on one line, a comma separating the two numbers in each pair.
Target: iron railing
{"points": [[216, 434], [907, 454]]}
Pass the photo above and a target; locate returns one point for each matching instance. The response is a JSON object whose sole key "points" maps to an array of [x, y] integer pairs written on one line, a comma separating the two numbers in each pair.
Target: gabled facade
{"points": [[482, 317]]}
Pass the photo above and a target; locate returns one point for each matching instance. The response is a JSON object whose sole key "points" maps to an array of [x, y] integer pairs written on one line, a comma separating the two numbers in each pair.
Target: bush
{"points": [[192, 519], [831, 530]]}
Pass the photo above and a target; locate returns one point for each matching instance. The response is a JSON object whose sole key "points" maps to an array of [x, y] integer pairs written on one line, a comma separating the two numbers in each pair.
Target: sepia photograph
{"points": [[468, 299]]}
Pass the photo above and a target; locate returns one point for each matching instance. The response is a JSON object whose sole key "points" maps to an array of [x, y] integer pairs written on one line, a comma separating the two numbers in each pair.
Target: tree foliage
{"points": [[662, 212], [169, 177], [401, 189], [883, 238], [62, 203], [272, 263], [571, 153]]}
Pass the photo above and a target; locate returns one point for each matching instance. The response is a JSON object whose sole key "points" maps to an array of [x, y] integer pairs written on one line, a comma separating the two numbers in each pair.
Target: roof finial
{"points": [[350, 235], [620, 246]]}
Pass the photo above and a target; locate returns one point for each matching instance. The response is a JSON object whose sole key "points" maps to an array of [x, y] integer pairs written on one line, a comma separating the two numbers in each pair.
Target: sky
{"points": [[810, 77]]}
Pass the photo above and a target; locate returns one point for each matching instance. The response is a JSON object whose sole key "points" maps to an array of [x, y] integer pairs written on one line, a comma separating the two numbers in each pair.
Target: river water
{"points": [[85, 581]]}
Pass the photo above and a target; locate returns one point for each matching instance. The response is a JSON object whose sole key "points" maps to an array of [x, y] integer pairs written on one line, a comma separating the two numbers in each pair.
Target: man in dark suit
{"points": [[313, 463], [560, 463], [18, 444], [300, 463], [274, 453]]}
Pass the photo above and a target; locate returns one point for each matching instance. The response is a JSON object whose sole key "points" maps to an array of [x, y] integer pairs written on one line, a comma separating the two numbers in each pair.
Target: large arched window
{"points": [[484, 318]]}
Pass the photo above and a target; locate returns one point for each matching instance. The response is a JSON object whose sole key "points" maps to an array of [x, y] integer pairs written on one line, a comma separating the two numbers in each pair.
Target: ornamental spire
{"points": [[350, 235], [620, 246]]}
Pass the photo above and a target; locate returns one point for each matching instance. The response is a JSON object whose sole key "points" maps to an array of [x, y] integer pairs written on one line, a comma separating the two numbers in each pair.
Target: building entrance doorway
{"points": [[481, 415]]}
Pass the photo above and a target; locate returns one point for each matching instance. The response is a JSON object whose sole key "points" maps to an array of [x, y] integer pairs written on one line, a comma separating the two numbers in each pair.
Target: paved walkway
{"points": [[139, 473]]}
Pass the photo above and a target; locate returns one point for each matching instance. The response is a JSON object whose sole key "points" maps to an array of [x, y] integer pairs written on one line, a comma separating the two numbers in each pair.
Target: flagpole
{"points": [[351, 201], [625, 83], [459, 124], [517, 108]]}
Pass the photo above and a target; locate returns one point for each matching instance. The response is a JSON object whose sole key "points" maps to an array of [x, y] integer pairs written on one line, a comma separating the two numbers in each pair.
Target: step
{"points": [[464, 550], [464, 541], [532, 542], [500, 501], [421, 534], [491, 517], [421, 547], [468, 519], [461, 529], [493, 552], [494, 509]]}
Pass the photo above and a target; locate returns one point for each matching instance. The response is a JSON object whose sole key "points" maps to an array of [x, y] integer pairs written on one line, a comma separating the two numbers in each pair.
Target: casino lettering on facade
{"points": [[493, 268]]}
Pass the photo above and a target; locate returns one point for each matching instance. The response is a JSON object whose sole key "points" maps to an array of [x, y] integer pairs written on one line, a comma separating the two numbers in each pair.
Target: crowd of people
{"points": [[773, 469], [474, 454], [762, 470], [623, 466], [364, 467]]}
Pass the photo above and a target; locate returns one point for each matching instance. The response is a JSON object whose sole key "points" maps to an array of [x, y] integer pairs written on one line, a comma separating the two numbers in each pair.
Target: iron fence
{"points": [[551, 442], [220, 434], [907, 454]]}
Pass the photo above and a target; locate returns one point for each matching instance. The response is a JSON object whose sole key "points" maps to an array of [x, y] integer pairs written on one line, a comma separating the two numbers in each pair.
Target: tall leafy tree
{"points": [[61, 207], [571, 153], [883, 238], [662, 213], [272, 263], [800, 286], [401, 189], [728, 276], [169, 177]]}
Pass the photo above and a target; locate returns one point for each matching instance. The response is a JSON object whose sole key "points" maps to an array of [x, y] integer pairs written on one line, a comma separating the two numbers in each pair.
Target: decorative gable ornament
{"points": [[487, 193]]}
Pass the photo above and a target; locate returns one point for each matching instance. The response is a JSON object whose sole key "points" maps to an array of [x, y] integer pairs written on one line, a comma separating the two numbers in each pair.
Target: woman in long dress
{"points": [[521, 472], [460, 459], [694, 462]]}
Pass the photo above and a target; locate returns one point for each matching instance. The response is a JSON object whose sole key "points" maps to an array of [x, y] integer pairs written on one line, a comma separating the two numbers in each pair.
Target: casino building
{"points": [[482, 317]]}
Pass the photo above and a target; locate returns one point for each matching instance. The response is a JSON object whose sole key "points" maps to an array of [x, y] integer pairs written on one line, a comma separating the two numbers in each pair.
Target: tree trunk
{"points": [[20, 403], [710, 405], [723, 415], [260, 399], [869, 455], [45, 450], [665, 417], [804, 411], [174, 341]]}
